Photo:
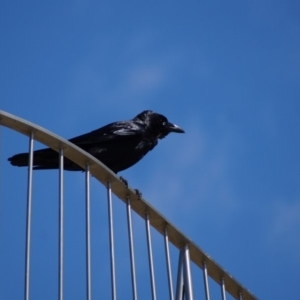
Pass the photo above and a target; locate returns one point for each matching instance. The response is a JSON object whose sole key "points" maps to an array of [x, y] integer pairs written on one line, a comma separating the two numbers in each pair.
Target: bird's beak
{"points": [[174, 128]]}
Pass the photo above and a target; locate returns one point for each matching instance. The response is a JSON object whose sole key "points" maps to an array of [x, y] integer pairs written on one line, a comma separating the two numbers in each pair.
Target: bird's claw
{"points": [[138, 193], [124, 181]]}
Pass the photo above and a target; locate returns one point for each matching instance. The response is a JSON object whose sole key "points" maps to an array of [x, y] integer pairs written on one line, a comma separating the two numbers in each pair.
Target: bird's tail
{"points": [[42, 159]]}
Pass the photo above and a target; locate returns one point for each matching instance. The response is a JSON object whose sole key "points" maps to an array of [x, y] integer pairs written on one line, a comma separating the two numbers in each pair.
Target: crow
{"points": [[118, 145]]}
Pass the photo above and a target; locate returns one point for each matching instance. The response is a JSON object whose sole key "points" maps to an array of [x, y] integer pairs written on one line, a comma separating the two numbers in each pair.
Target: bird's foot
{"points": [[138, 193], [124, 181]]}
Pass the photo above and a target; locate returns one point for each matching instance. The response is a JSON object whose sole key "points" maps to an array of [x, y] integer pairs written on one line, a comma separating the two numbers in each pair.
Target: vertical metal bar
{"points": [[240, 296], [150, 256], [61, 223], [132, 260], [180, 281], [223, 290], [111, 241], [188, 274], [28, 217], [206, 281], [167, 250], [88, 232]]}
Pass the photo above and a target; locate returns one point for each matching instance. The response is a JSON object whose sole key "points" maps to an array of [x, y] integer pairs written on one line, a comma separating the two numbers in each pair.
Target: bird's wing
{"points": [[110, 132]]}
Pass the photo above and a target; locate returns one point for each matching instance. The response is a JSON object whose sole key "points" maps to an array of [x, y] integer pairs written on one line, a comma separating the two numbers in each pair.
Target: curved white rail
{"points": [[140, 206]]}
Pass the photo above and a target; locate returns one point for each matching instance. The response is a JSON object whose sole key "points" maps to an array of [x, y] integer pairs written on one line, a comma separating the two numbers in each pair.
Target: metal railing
{"points": [[188, 250]]}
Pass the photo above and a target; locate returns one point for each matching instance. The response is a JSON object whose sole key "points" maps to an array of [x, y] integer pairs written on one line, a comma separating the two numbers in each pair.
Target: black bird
{"points": [[118, 145]]}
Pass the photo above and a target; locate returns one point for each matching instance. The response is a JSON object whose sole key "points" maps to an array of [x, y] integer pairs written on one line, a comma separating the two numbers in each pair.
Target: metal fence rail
{"points": [[188, 250]]}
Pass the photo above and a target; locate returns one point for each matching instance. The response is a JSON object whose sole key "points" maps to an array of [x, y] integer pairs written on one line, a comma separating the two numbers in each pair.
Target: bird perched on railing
{"points": [[118, 145]]}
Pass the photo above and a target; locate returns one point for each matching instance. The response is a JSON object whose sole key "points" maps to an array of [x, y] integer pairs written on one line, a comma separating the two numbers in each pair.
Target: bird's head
{"points": [[158, 124]]}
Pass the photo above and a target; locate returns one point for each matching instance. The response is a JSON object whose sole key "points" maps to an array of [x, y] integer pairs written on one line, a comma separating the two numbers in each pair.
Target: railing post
{"points": [[188, 274], [111, 242], [223, 290], [167, 251], [28, 217], [184, 275], [61, 224], [205, 277], [150, 256], [88, 232], [131, 248], [180, 280]]}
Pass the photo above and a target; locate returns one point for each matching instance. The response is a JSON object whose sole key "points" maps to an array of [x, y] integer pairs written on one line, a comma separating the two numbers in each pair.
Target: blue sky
{"points": [[228, 73]]}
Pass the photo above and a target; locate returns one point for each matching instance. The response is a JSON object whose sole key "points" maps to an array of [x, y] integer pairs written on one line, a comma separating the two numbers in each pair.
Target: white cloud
{"points": [[97, 85], [195, 177], [285, 228], [145, 77]]}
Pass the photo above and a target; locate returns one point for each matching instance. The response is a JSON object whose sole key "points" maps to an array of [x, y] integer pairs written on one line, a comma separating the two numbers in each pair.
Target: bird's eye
{"points": [[164, 123]]}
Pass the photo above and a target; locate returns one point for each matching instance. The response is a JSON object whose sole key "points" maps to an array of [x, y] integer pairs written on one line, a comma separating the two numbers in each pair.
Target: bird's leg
{"points": [[124, 181], [138, 193]]}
